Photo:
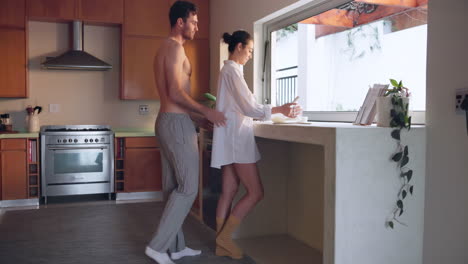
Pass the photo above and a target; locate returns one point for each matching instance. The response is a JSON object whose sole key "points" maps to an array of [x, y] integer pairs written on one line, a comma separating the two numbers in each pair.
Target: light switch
{"points": [[54, 108]]}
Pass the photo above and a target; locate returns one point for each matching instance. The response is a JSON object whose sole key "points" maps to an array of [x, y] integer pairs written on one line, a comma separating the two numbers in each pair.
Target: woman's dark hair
{"points": [[181, 9], [239, 36]]}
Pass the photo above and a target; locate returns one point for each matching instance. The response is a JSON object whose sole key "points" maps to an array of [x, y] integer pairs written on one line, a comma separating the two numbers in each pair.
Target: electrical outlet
{"points": [[460, 95], [143, 109]]}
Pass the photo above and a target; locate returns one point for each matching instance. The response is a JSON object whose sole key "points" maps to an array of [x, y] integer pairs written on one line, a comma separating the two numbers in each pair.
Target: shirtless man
{"points": [[176, 135]]}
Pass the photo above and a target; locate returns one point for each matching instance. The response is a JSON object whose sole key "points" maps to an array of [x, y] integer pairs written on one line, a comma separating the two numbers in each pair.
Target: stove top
{"points": [[75, 128], [76, 135]]}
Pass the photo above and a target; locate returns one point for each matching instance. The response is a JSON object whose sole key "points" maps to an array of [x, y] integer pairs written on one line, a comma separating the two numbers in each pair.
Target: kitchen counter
{"points": [[21, 134], [337, 182], [133, 132]]}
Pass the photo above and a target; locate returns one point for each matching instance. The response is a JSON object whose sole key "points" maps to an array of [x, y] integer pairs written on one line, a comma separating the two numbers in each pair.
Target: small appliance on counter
{"points": [[5, 124]]}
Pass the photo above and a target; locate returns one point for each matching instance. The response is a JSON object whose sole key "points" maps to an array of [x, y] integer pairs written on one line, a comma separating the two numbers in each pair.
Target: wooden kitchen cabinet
{"points": [[198, 53], [13, 68], [138, 165], [99, 11], [138, 74], [12, 13], [13, 164], [147, 18], [102, 11], [146, 25], [53, 10]]}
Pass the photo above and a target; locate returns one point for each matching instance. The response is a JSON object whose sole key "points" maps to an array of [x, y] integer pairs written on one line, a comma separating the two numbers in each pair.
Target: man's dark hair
{"points": [[181, 9]]}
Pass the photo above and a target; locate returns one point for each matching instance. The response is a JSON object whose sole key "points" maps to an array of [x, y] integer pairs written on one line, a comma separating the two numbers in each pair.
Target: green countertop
{"points": [[133, 132], [21, 134]]}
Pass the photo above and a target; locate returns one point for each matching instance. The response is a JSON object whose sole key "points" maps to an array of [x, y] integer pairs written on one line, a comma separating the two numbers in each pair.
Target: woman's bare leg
{"points": [[230, 187], [249, 176]]}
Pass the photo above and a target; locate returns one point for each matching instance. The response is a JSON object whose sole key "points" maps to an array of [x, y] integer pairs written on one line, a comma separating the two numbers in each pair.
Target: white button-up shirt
{"points": [[235, 142]]}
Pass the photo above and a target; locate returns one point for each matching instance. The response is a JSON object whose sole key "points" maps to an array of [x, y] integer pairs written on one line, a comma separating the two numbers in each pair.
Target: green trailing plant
{"points": [[284, 32], [400, 121]]}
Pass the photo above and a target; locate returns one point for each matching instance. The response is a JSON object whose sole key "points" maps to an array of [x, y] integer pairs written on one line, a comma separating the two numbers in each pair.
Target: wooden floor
{"points": [[95, 232]]}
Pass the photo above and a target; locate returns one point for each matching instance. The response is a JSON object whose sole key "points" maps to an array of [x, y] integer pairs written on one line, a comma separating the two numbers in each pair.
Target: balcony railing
{"points": [[286, 87]]}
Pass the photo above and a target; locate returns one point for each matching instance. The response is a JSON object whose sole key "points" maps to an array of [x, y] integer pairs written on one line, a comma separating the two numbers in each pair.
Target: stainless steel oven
{"points": [[77, 160]]}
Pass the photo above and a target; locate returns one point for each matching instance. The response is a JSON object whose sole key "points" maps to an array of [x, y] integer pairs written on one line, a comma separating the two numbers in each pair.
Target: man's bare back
{"points": [[162, 68]]}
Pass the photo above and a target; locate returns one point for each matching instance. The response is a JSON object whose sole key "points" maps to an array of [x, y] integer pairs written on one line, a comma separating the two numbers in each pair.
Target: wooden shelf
{"points": [[33, 172]]}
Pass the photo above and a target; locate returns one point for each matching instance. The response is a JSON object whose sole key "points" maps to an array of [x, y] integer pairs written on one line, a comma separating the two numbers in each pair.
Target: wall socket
{"points": [[143, 109], [460, 95]]}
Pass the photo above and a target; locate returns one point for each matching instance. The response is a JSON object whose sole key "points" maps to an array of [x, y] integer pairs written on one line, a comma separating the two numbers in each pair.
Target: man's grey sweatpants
{"points": [[179, 155]]}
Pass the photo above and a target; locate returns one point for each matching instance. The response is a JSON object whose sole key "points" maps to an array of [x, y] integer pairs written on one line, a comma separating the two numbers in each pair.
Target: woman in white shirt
{"points": [[234, 147]]}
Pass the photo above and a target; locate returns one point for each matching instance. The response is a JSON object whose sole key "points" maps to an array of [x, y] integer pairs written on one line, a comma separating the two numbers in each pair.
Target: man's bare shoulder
{"points": [[172, 48]]}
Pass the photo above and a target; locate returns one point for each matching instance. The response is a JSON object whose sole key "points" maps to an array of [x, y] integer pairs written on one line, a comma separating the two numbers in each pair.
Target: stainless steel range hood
{"points": [[76, 59]]}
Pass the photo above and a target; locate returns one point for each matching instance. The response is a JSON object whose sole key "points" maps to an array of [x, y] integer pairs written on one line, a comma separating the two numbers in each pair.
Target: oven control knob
{"points": [[58, 140], [70, 140], [96, 140], [86, 140], [76, 140], [91, 140]]}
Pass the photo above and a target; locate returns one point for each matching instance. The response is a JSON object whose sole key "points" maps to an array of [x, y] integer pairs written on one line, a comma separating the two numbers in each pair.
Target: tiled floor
{"points": [[102, 232]]}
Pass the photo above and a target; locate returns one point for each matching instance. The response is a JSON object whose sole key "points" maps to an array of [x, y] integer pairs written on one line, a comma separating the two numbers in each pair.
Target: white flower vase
{"points": [[384, 107], [33, 124]]}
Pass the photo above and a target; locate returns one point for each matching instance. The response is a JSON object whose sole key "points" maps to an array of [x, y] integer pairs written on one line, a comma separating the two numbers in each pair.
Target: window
{"points": [[331, 57]]}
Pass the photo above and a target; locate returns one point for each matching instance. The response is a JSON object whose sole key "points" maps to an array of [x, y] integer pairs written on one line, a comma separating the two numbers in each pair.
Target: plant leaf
{"points": [[404, 161], [401, 212], [400, 204], [392, 113], [409, 123], [411, 189], [390, 224], [406, 151], [394, 82], [397, 156], [403, 194], [409, 175], [396, 134]]}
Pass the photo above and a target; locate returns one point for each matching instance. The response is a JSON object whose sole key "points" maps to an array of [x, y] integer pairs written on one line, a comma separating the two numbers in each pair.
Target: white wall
{"points": [[446, 210], [367, 184]]}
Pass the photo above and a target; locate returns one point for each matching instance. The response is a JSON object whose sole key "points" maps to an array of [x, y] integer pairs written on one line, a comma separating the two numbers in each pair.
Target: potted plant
{"points": [[397, 97], [392, 111]]}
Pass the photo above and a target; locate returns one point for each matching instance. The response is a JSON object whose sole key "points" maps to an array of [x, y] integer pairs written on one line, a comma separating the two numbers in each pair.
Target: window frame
{"points": [[262, 68]]}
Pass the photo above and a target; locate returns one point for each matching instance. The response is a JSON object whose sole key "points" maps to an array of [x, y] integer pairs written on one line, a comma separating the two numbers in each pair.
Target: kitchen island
{"points": [[333, 186]]}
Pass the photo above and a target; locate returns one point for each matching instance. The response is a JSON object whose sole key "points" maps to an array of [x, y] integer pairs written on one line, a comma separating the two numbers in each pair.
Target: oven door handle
{"points": [[76, 148]]}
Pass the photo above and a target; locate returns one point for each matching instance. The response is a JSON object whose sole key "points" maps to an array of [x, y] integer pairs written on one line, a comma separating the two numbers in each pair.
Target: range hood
{"points": [[76, 59]]}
